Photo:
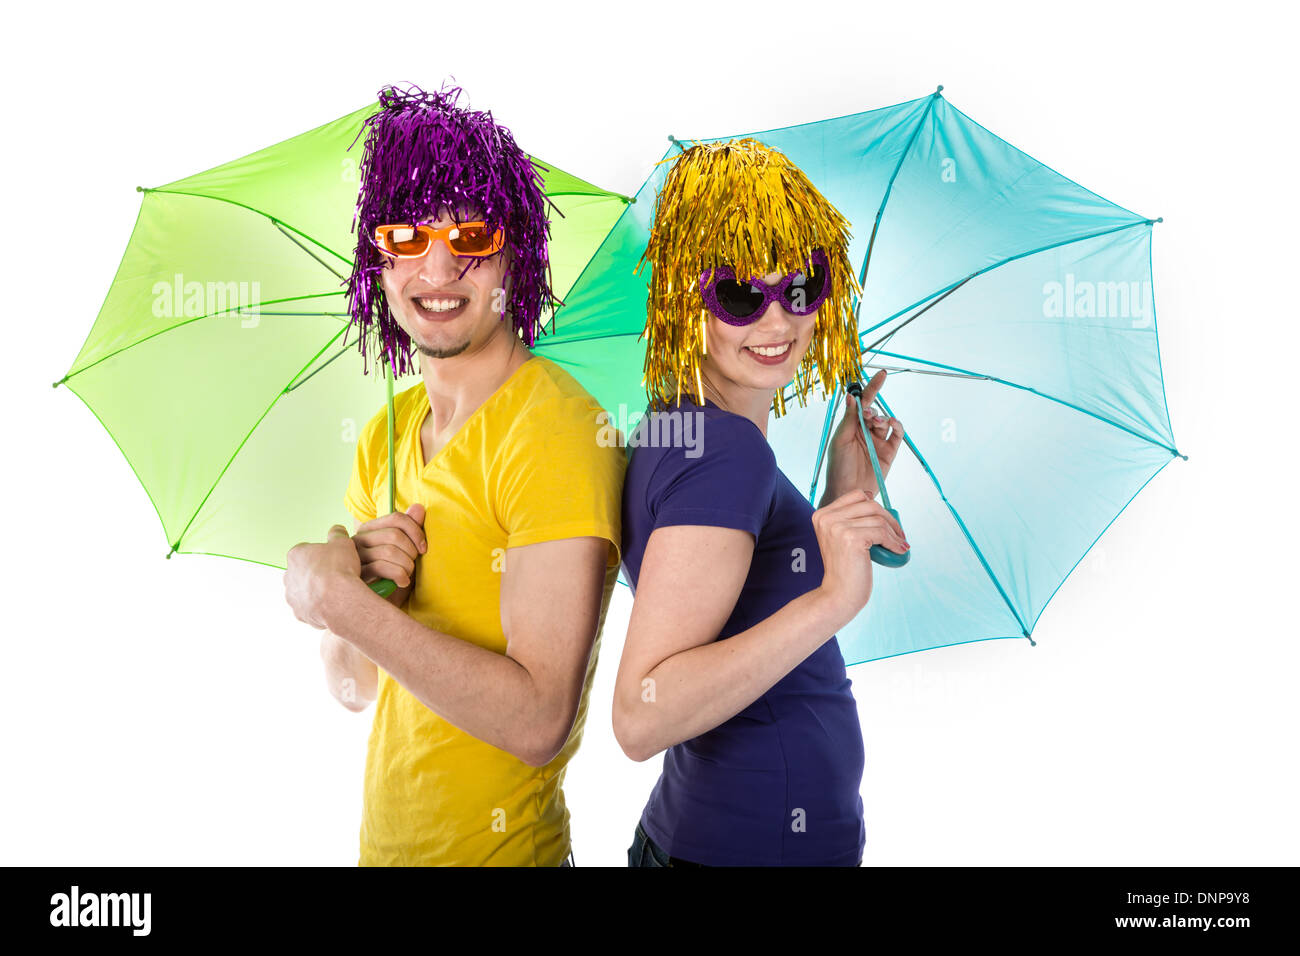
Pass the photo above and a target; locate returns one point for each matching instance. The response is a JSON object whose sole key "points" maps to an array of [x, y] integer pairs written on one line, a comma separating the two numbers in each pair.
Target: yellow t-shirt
{"points": [[526, 467]]}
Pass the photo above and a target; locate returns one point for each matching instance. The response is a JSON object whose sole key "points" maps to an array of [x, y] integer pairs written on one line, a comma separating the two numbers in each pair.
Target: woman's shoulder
{"points": [[702, 465], [693, 437]]}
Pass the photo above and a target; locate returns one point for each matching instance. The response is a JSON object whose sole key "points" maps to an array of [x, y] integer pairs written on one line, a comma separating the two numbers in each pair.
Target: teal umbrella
{"points": [[1013, 310], [220, 362]]}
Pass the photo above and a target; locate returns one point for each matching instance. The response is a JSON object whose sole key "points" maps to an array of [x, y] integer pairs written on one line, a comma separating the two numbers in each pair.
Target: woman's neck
{"points": [[754, 404]]}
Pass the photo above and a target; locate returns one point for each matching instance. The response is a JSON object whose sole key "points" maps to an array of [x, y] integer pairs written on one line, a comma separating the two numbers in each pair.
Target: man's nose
{"points": [[439, 265]]}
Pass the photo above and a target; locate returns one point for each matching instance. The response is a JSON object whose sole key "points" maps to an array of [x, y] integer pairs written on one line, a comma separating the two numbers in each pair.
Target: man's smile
{"points": [[440, 306]]}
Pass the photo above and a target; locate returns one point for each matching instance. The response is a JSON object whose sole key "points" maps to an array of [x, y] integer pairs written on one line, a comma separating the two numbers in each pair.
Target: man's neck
{"points": [[457, 386]]}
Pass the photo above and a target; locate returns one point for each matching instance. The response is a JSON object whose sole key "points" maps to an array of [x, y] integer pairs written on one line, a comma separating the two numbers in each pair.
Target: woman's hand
{"points": [[846, 529], [849, 464]]}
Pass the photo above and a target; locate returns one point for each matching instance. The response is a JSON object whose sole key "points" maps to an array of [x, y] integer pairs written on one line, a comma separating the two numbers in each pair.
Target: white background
{"points": [[174, 712]]}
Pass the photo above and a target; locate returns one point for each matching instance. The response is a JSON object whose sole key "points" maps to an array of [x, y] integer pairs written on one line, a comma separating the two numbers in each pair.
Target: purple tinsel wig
{"points": [[424, 155]]}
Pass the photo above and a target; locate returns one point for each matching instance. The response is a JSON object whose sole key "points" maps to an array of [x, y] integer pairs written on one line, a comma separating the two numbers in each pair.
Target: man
{"points": [[504, 539]]}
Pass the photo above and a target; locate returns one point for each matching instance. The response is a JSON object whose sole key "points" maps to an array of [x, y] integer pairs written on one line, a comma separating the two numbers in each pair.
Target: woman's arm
{"points": [[351, 677], [675, 680]]}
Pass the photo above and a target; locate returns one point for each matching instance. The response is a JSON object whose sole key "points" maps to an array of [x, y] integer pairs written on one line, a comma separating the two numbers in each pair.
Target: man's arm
{"points": [[349, 674], [524, 701]]}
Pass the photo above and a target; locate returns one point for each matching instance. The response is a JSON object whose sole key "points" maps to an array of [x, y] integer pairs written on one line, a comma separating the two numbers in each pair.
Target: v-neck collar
{"points": [[423, 410]]}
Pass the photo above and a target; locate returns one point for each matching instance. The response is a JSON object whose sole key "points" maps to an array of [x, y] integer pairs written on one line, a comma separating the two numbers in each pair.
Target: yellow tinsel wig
{"points": [[744, 205]]}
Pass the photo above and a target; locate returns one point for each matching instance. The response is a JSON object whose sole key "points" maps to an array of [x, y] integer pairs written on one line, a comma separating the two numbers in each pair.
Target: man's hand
{"points": [[389, 546], [312, 569], [849, 465]]}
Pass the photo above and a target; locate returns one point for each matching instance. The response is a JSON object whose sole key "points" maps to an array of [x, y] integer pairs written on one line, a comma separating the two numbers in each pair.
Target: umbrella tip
{"points": [[60, 381], [939, 90]]}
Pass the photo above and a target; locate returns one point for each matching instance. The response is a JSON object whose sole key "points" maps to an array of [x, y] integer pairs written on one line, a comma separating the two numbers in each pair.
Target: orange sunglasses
{"points": [[411, 241]]}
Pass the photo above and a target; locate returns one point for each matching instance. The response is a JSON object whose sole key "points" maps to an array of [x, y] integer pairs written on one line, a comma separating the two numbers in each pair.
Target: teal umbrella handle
{"points": [[890, 559], [879, 553]]}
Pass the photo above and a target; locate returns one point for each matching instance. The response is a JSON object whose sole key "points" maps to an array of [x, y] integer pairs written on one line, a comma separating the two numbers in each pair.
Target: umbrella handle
{"points": [[879, 553], [883, 556], [383, 586]]}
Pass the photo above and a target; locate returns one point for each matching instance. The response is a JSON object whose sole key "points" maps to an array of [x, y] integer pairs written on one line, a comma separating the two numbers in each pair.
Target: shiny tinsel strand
{"points": [[424, 156], [745, 205]]}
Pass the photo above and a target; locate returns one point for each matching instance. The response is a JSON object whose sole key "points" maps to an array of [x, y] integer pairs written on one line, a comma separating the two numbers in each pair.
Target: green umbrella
{"points": [[220, 362]]}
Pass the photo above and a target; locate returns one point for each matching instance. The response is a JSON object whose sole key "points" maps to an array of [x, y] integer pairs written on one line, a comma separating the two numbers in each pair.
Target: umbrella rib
{"points": [[279, 225], [888, 335], [216, 481], [964, 530], [1027, 388], [320, 368], [627, 200], [555, 313], [975, 122], [993, 577], [1021, 255], [199, 318], [252, 209], [817, 471], [866, 262], [1096, 539], [889, 188], [924, 371], [832, 407], [587, 338]]}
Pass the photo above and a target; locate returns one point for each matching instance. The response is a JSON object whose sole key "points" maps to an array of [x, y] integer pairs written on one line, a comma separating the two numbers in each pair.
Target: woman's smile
{"points": [[772, 354]]}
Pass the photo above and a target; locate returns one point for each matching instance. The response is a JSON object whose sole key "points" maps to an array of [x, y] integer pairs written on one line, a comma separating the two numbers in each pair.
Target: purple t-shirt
{"points": [[778, 784]]}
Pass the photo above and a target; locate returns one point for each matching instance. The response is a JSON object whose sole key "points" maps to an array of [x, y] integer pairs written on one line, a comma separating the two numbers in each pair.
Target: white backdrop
{"points": [[174, 712]]}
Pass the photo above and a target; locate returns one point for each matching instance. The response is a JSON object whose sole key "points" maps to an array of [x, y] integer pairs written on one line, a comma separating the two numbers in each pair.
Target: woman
{"points": [[731, 663]]}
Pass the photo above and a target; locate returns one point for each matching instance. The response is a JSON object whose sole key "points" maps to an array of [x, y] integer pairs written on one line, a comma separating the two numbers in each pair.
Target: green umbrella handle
{"points": [[383, 586], [879, 553]]}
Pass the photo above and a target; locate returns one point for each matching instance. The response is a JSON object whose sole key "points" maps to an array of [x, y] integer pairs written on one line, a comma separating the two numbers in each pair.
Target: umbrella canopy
{"points": [[1014, 311], [219, 363]]}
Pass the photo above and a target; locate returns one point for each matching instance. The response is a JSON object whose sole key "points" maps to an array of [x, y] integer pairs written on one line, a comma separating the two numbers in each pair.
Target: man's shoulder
{"points": [[405, 404], [551, 417], [548, 393]]}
